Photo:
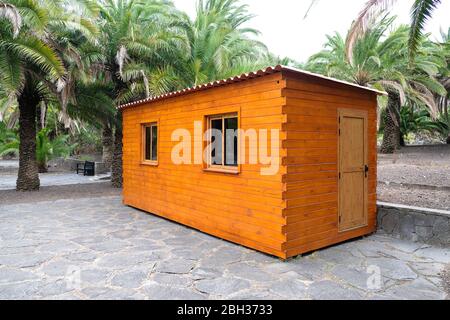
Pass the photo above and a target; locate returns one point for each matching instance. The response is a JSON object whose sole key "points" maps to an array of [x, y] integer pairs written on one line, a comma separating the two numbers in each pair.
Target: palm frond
{"points": [[420, 13], [38, 53], [10, 12], [372, 10]]}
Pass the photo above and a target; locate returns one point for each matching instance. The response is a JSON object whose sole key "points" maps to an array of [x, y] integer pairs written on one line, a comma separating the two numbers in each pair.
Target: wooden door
{"points": [[353, 169]]}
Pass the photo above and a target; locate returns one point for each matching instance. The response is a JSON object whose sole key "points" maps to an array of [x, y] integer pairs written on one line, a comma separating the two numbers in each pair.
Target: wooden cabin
{"points": [[323, 193]]}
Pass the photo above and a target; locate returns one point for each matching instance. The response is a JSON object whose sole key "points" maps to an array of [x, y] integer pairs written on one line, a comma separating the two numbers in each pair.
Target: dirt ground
{"points": [[59, 192], [417, 176]]}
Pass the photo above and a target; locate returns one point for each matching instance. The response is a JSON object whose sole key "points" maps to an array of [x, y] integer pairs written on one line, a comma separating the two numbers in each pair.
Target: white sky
{"points": [[286, 33]]}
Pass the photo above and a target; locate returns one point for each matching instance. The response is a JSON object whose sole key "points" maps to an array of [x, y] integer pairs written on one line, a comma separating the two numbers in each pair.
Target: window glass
{"points": [[231, 141], [224, 140], [148, 143], [216, 141], [154, 143]]}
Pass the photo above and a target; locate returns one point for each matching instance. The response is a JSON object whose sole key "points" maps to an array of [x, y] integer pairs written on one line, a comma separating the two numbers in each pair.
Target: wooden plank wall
{"points": [[312, 161], [246, 208]]}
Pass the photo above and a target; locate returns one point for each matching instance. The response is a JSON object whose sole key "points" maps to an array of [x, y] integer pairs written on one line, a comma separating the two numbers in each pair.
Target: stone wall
{"points": [[70, 164], [415, 224]]}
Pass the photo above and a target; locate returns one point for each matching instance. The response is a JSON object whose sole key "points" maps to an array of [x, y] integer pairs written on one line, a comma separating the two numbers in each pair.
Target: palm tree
{"points": [[421, 11], [31, 66], [219, 44], [140, 50], [444, 79], [383, 64]]}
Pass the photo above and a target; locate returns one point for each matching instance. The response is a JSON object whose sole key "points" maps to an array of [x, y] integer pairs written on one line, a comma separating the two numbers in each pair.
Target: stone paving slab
{"points": [[100, 249]]}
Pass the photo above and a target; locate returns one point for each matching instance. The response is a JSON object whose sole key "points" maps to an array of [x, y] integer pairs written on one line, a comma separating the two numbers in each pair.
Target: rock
{"points": [[123, 234], [221, 286], [110, 245], [129, 279], [177, 266], [222, 256], [246, 271], [52, 288], [309, 267], [435, 253], [123, 260], [424, 220], [424, 233], [329, 290], [428, 269], [188, 253], [441, 225], [11, 275], [354, 277], [83, 256], [171, 280], [389, 222], [59, 268], [94, 276], [19, 291], [338, 256], [251, 295], [206, 273], [26, 260], [418, 289], [393, 269], [407, 227], [289, 289], [156, 291], [101, 293]]}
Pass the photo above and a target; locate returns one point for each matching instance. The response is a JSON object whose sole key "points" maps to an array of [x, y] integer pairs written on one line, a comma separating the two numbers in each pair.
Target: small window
{"points": [[150, 142], [223, 139]]}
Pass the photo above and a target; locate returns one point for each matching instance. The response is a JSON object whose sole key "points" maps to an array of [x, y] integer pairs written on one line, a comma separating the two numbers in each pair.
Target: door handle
{"points": [[366, 170]]}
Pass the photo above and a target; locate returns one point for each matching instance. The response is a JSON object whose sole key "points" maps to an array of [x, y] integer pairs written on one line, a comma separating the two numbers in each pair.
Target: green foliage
{"points": [[87, 140], [48, 149], [380, 60], [9, 141], [412, 121], [421, 11], [219, 43]]}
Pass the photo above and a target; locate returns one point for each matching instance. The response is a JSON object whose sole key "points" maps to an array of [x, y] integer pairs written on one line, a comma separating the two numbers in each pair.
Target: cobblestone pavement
{"points": [[100, 249]]}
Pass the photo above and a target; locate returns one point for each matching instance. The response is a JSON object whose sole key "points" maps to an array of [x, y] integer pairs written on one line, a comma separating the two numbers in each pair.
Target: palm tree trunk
{"points": [[116, 168], [108, 145], [392, 134], [28, 177]]}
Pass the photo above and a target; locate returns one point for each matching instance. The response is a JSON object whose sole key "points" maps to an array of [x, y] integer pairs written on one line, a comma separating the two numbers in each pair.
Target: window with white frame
{"points": [[150, 142], [223, 139]]}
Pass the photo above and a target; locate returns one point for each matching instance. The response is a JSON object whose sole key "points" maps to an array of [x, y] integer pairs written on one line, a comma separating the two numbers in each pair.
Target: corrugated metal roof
{"points": [[242, 77]]}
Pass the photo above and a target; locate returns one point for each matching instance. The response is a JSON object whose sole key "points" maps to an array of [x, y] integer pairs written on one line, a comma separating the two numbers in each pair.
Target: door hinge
{"points": [[339, 219], [339, 131], [339, 175]]}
